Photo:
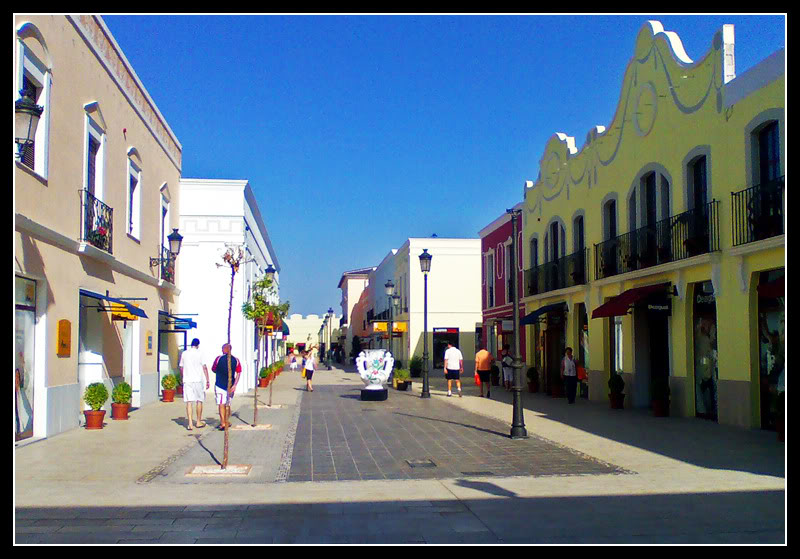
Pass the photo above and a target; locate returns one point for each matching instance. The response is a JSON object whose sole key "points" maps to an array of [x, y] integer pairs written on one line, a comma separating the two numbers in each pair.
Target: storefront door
{"points": [[555, 343], [772, 358], [440, 338], [25, 315], [705, 351]]}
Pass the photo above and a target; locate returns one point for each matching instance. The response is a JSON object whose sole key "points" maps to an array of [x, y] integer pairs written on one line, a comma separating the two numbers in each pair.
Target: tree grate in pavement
{"points": [[335, 440]]}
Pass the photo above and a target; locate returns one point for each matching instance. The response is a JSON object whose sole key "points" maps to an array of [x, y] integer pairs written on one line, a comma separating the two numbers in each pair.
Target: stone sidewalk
{"points": [[690, 481]]}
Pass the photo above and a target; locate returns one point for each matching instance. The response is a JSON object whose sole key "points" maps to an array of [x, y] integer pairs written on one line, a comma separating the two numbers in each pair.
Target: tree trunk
{"points": [[228, 402]]}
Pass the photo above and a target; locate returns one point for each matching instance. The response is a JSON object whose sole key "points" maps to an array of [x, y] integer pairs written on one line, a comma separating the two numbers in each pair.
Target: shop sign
{"points": [[508, 326], [445, 330], [64, 338], [660, 305], [384, 327]]}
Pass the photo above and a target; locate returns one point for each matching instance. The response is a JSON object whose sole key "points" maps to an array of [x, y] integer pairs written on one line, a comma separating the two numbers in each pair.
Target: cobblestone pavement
{"points": [[617, 477], [339, 437]]}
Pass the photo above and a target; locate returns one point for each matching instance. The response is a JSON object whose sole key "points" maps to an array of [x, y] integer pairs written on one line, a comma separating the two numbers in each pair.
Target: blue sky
{"points": [[357, 132]]}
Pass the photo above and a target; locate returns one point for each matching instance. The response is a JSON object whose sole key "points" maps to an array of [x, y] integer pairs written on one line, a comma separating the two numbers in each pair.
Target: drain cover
{"points": [[421, 463], [477, 473]]}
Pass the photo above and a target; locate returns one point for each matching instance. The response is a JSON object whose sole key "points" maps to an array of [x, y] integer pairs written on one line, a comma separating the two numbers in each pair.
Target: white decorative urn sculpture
{"points": [[374, 366]]}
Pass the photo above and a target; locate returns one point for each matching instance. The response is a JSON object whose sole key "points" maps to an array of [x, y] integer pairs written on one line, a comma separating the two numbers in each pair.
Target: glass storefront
{"points": [[583, 346], [706, 373], [24, 320], [771, 335]]}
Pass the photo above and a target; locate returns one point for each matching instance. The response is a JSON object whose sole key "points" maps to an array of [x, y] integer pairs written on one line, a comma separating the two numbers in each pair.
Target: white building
{"points": [[311, 329], [454, 300], [217, 214], [352, 283]]}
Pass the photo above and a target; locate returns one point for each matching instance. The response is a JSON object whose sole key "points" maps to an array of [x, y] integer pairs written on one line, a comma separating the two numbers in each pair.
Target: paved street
{"points": [[333, 469]]}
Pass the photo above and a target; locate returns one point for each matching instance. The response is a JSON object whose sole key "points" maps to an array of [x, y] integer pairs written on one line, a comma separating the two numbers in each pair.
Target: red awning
{"points": [[618, 306], [775, 288]]}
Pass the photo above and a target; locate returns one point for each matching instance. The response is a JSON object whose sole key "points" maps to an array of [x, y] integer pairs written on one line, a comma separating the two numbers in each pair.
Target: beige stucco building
{"points": [[95, 198]]}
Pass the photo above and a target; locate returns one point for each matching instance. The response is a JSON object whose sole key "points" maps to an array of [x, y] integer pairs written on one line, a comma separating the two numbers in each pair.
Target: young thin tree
{"points": [[233, 257], [259, 310]]}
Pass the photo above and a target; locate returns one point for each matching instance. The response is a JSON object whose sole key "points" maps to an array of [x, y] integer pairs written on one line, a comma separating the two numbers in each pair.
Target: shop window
{"points": [[705, 351]]}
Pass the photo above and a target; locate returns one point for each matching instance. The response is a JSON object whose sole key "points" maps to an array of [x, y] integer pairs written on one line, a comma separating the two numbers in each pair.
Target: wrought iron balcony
{"points": [[98, 222], [567, 271], [758, 212], [678, 237]]}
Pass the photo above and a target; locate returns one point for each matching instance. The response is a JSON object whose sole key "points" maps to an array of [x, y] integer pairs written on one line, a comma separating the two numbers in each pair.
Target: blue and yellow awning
{"points": [[123, 310]]}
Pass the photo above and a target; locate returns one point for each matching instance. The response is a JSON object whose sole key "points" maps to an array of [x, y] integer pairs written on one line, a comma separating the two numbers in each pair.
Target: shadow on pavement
{"points": [[692, 440], [754, 517]]}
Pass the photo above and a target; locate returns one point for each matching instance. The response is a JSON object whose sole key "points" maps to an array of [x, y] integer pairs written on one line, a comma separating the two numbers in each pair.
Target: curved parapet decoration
{"points": [[660, 73]]}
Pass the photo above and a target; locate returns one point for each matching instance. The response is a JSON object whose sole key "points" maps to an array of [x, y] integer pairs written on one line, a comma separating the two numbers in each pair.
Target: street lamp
{"points": [[26, 120], [425, 266], [517, 423], [390, 293], [330, 335], [175, 240]]}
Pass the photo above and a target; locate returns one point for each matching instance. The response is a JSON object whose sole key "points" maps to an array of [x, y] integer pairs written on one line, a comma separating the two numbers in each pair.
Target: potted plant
{"points": [[415, 366], [95, 397], [263, 377], [179, 386], [533, 379], [168, 384], [121, 400], [661, 396], [402, 379], [495, 375], [616, 385]]}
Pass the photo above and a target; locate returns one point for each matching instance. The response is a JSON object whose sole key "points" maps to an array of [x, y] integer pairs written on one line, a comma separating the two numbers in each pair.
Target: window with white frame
{"points": [[33, 77], [94, 157], [507, 271], [134, 200], [490, 280]]}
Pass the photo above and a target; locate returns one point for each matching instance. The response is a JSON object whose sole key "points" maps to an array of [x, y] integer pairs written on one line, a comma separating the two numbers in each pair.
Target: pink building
{"points": [[496, 285]]}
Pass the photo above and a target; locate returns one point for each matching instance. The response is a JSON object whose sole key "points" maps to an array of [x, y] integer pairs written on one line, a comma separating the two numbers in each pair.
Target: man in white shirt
{"points": [[569, 375], [192, 367], [453, 367]]}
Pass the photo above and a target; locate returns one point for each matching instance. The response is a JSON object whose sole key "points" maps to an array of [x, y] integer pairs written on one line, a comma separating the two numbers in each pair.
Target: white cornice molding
{"points": [[27, 225]]}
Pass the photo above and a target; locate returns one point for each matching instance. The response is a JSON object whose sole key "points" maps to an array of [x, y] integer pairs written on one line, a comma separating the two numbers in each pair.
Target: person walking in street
{"points": [[309, 367], [569, 374], [453, 367], [483, 368], [223, 392], [193, 368], [508, 370], [293, 364]]}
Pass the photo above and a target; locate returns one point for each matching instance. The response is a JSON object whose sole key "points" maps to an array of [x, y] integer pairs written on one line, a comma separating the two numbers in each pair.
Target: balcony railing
{"points": [[567, 271], [167, 265], [678, 237], [98, 222], [758, 212]]}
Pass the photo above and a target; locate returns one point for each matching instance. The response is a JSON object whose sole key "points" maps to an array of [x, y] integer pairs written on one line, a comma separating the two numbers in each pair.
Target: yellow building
{"points": [[663, 237], [95, 200]]}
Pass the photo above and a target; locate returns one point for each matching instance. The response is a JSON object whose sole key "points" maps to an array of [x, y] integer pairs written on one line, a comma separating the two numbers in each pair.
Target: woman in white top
{"points": [[569, 374]]}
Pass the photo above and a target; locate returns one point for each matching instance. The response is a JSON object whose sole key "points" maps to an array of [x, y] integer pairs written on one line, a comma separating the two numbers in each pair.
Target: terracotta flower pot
{"points": [[168, 395], [94, 419], [119, 411], [661, 408], [263, 382], [179, 390], [617, 401]]}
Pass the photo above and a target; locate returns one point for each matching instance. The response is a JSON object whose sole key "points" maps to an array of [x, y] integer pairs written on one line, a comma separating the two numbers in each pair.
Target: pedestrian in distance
{"points": [[453, 368], [508, 369], [569, 374], [309, 367], [483, 368], [293, 363], [223, 392], [193, 368]]}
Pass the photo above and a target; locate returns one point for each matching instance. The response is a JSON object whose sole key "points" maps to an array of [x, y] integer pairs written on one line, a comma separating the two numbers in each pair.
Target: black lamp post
{"points": [[389, 285], [26, 120], [517, 423], [175, 240], [330, 335], [425, 266]]}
